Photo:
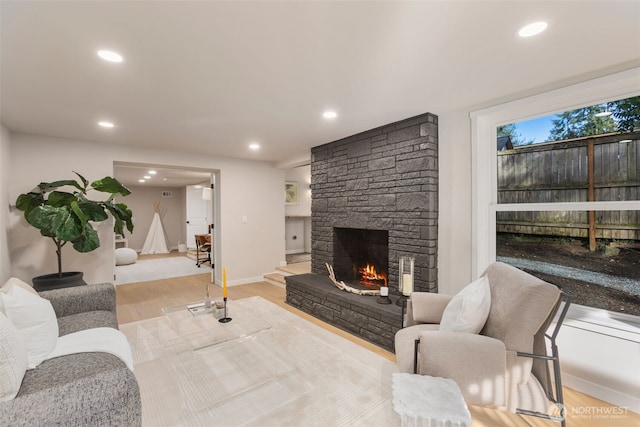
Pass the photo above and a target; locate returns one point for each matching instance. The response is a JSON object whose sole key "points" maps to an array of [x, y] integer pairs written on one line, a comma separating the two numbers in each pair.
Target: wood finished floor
{"points": [[145, 300]]}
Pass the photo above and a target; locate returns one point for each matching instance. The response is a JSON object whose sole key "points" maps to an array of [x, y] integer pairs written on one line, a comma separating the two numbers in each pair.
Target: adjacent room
{"points": [[318, 213]]}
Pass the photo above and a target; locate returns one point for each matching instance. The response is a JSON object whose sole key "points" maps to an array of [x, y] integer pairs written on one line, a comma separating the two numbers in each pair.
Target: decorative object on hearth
{"points": [[384, 296], [225, 319], [343, 286], [67, 216], [405, 278]]}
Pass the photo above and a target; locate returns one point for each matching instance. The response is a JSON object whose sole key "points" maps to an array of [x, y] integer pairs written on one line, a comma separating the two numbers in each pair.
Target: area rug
{"points": [[267, 367], [160, 268]]}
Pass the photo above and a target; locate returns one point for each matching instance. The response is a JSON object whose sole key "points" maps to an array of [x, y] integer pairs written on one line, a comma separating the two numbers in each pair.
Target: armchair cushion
{"points": [[469, 309], [426, 307], [475, 362]]}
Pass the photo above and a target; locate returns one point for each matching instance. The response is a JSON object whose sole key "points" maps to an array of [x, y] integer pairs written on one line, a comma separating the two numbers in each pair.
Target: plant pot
{"points": [[54, 281]]}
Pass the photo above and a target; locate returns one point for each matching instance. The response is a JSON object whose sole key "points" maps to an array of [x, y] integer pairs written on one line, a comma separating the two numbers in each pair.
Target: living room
{"points": [[398, 62]]}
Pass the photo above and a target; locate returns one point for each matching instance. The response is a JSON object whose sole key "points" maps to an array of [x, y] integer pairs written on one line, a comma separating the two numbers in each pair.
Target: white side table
{"points": [[425, 401]]}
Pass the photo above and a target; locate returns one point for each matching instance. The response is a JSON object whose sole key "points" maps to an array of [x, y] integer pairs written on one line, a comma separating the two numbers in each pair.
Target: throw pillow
{"points": [[469, 309], [14, 281], [13, 359], [35, 320]]}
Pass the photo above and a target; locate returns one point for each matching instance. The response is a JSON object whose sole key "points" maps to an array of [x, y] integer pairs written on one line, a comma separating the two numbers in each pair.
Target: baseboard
{"points": [[632, 403], [294, 251]]}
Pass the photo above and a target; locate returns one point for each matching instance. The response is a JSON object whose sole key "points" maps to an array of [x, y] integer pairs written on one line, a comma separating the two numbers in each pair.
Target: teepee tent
{"points": [[156, 242]]}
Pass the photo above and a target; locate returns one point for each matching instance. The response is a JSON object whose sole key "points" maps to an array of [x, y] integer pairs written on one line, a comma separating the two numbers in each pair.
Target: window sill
{"points": [[618, 325]]}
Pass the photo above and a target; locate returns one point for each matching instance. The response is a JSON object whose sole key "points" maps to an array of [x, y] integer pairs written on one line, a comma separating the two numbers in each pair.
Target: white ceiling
{"points": [[210, 77], [164, 177]]}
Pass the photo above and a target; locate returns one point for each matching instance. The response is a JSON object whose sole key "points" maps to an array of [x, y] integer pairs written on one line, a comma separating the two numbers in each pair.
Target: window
{"points": [[509, 194]]}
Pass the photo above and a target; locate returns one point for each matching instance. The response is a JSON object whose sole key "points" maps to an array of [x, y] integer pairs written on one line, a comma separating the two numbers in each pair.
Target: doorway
{"points": [[173, 187]]}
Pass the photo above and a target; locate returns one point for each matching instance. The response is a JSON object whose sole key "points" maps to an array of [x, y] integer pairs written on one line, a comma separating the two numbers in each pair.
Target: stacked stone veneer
{"points": [[382, 179]]}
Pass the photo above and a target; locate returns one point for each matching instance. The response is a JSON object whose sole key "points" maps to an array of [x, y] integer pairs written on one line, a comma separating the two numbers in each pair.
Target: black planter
{"points": [[54, 281]]}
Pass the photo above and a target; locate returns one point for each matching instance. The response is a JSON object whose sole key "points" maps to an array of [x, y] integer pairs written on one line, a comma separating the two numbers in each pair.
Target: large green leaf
{"points": [[110, 185], [94, 211], [55, 222], [60, 198], [49, 186], [87, 241], [26, 202], [123, 216]]}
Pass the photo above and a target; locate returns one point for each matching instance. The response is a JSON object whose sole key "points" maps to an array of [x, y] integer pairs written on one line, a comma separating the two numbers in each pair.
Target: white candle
{"points": [[384, 291], [407, 284]]}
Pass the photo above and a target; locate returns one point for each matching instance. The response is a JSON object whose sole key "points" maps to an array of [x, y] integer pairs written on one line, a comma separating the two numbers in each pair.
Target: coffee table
{"points": [[200, 328]]}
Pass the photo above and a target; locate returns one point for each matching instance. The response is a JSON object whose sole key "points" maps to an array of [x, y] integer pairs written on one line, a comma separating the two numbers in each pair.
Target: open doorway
{"points": [[170, 187]]}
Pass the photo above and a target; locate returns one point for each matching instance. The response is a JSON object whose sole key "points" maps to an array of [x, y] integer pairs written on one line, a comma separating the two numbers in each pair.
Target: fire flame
{"points": [[370, 277]]}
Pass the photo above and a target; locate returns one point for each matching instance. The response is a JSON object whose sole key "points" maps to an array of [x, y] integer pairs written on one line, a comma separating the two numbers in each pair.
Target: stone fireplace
{"points": [[379, 187]]}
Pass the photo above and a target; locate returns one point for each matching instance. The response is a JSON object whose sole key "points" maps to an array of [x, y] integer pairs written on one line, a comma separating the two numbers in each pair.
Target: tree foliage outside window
{"points": [[617, 116]]}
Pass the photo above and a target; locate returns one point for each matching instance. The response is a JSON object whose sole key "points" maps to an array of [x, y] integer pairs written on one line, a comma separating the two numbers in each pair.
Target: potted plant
{"points": [[67, 216]]}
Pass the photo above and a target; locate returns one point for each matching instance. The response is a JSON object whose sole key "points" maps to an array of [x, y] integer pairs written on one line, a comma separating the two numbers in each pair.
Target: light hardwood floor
{"points": [[145, 300]]}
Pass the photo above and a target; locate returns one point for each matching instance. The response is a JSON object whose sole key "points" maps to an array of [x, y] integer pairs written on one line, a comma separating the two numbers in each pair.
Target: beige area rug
{"points": [[156, 269], [267, 367]]}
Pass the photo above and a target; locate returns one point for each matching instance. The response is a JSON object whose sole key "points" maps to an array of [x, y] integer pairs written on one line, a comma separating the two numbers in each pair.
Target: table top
{"points": [[200, 327]]}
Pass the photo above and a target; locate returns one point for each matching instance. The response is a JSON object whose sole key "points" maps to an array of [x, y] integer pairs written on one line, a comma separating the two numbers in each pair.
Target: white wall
{"points": [[247, 188], [454, 202], [141, 200], [5, 201]]}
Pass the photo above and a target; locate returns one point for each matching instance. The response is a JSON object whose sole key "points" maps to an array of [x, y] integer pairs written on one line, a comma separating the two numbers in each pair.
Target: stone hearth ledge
{"points": [[356, 314]]}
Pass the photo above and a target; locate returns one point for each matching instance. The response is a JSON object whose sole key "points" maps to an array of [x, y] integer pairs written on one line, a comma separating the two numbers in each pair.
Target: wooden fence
{"points": [[559, 172]]}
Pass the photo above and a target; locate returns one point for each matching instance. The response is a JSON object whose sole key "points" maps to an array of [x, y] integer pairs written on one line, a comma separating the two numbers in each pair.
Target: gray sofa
{"points": [[86, 389]]}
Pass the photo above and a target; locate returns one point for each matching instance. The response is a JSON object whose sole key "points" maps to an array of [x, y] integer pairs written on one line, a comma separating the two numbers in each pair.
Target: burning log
{"points": [[344, 287]]}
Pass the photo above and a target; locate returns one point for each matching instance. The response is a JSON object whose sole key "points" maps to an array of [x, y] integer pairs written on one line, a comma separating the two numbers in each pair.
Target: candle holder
{"points": [[405, 278], [384, 296], [225, 319]]}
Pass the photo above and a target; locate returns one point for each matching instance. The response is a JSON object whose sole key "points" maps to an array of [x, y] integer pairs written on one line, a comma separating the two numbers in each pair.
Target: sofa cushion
{"points": [[35, 319], [469, 309], [13, 359], [83, 389], [88, 320]]}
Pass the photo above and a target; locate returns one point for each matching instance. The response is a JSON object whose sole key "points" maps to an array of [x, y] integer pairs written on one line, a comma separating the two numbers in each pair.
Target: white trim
{"points": [[628, 205]]}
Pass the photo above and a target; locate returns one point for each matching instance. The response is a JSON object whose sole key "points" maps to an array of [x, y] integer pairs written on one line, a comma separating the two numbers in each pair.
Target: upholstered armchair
{"points": [[506, 364]]}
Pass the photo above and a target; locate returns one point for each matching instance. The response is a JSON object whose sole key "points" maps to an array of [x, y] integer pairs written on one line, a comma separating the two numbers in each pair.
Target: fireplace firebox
{"points": [[361, 257]]}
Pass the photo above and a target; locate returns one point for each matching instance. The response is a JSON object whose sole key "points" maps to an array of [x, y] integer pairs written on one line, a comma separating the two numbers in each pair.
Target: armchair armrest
{"points": [[477, 363], [426, 307], [80, 299]]}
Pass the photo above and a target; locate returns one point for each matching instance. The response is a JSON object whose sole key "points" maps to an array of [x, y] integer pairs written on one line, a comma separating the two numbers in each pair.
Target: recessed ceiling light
{"points": [[330, 114], [106, 124], [147, 177], [141, 180], [109, 55], [152, 172], [254, 146], [532, 29]]}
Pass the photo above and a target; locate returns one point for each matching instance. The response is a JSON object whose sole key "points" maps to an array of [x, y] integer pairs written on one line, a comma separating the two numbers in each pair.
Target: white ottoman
{"points": [[125, 256], [421, 400]]}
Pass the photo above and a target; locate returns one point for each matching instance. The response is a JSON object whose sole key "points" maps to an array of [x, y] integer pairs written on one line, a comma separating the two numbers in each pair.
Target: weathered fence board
{"points": [[558, 172]]}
